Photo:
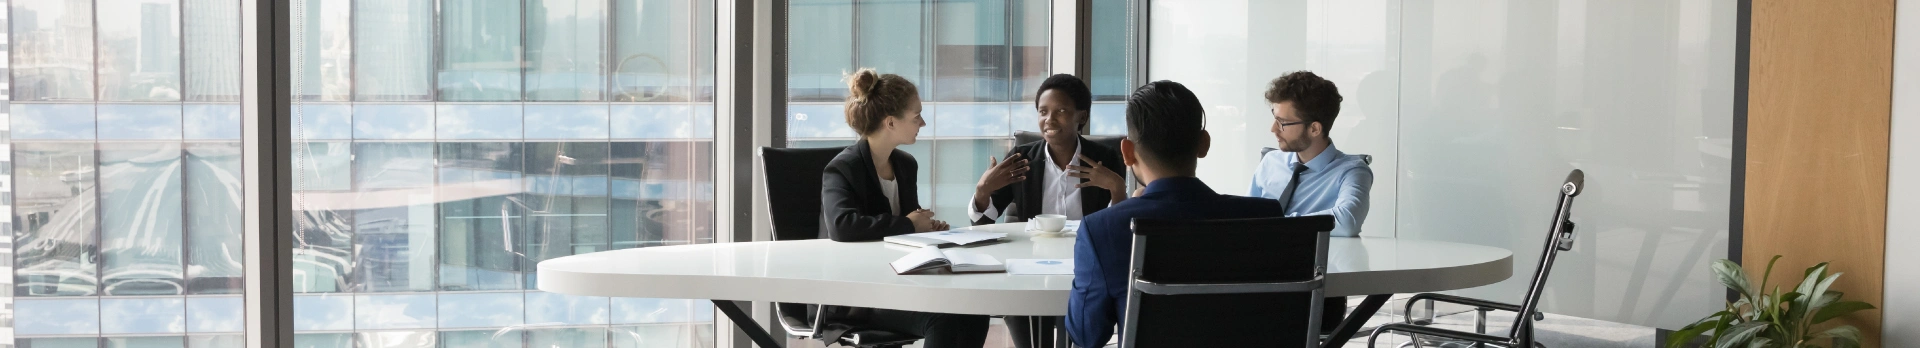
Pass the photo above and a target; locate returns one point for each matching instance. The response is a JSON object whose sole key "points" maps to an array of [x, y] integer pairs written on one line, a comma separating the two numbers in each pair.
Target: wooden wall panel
{"points": [[1819, 107]]}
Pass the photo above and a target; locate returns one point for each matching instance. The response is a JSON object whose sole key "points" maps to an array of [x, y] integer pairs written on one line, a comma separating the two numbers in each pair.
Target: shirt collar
{"points": [[1319, 162], [1046, 157], [1184, 188]]}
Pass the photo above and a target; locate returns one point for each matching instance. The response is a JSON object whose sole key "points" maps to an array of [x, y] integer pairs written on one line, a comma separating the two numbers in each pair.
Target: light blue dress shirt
{"points": [[1334, 184]]}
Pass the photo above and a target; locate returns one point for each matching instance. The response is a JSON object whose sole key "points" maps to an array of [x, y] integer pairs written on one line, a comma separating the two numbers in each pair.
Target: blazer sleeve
{"points": [[841, 210]]}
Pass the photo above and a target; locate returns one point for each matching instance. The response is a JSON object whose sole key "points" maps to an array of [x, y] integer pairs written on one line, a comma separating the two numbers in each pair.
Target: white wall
{"points": [[1901, 312], [1475, 110]]}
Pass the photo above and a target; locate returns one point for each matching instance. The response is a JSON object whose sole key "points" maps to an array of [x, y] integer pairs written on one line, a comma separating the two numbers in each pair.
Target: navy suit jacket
{"points": [[1103, 249]]}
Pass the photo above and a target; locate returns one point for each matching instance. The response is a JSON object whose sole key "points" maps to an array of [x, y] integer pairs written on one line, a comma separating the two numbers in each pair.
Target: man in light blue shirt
{"points": [[1308, 175]]}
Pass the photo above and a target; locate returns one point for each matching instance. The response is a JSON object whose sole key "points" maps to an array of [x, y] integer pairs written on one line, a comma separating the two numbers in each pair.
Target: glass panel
{"points": [[212, 121], [52, 46], [483, 217], [393, 220], [212, 29], [654, 189], [139, 50], [972, 120], [1030, 28], [570, 337], [323, 340], [493, 309], [820, 120], [567, 186], [566, 121], [322, 312], [388, 121], [1108, 118], [655, 311], [545, 308], [214, 233], [959, 163], [66, 342], [565, 49], [323, 121], [57, 317], [893, 39], [1108, 52], [393, 59], [144, 342], [395, 339], [820, 50], [54, 219], [481, 339], [323, 58], [480, 50], [650, 50], [376, 312], [971, 57], [216, 314], [219, 341], [140, 219], [139, 121], [51, 121], [143, 316], [661, 336], [468, 121], [652, 121]]}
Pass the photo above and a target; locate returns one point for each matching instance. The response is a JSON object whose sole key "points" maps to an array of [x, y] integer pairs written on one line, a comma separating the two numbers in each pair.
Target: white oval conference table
{"points": [[857, 274]]}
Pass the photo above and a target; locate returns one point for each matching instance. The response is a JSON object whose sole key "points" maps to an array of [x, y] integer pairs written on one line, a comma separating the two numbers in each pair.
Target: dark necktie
{"points": [[1286, 200]]}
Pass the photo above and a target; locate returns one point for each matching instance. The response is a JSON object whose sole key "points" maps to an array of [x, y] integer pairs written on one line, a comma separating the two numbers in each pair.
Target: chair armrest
{"points": [[793, 318], [1478, 303], [1432, 331]]}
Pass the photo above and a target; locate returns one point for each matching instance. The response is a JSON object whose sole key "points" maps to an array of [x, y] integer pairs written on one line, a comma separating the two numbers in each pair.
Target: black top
{"points": [[852, 207], [1027, 192]]}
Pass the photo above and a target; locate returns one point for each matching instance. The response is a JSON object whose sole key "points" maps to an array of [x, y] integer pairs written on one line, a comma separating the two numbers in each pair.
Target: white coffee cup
{"points": [[1051, 222]]}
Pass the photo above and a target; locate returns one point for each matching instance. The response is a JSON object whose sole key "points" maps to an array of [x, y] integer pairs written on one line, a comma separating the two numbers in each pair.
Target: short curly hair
{"points": [[1315, 98]]}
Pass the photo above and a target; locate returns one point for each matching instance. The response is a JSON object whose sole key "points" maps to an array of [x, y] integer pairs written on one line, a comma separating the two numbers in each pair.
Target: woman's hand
{"points": [[1097, 175], [923, 221], [1000, 174]]}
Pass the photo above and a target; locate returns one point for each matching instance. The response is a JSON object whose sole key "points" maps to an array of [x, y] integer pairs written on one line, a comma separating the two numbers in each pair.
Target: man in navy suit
{"points": [[1166, 136]]}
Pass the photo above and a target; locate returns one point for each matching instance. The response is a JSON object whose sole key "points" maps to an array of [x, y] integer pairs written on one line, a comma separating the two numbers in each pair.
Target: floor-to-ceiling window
{"points": [[120, 172], [976, 63], [445, 147]]}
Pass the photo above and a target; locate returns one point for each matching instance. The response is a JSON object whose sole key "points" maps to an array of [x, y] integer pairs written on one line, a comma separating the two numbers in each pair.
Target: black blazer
{"points": [[852, 208], [1026, 194]]}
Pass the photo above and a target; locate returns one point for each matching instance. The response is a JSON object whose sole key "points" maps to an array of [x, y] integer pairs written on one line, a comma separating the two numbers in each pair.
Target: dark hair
{"points": [[1315, 98], [876, 97], [1064, 83], [1164, 121]]}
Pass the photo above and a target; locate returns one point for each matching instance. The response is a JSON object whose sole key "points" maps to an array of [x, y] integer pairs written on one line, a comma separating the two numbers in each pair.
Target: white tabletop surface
{"points": [[856, 274]]}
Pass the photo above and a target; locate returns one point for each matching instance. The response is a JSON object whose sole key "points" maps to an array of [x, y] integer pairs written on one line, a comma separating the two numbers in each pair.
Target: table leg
{"points": [[1060, 333], [746, 323], [1355, 320]]}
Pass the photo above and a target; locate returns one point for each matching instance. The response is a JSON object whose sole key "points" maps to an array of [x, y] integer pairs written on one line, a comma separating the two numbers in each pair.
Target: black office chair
{"points": [[1227, 283], [1368, 159], [1520, 334], [793, 201]]}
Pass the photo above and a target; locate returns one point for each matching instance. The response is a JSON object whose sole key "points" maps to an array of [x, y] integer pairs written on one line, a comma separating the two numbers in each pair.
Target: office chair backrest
{"points": [[793, 179], [1368, 159], [1227, 283], [1559, 238], [1109, 141]]}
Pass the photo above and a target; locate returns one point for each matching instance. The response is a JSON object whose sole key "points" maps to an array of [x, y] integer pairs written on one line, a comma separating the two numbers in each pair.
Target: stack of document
{"points": [[947, 238], [955, 260]]}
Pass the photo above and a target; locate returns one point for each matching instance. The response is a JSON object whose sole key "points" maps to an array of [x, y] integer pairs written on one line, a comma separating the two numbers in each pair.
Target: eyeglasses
{"points": [[1285, 124]]}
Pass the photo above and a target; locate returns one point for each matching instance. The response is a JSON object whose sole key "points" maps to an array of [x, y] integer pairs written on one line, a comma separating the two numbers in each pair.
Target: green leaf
{"points": [[1759, 342], [1769, 275], [1844, 336], [1696, 329], [1812, 277], [1819, 292], [1733, 277], [1738, 335], [1839, 309]]}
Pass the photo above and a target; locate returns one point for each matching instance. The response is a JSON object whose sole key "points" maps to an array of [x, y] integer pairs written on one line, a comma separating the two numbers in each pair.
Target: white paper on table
{"points": [[1040, 266], [961, 237]]}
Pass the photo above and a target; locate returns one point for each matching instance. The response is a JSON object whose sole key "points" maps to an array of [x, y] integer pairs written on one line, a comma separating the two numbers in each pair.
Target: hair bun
{"points": [[862, 83]]}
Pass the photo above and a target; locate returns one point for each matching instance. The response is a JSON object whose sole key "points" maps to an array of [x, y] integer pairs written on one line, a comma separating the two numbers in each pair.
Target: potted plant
{"points": [[1763, 317]]}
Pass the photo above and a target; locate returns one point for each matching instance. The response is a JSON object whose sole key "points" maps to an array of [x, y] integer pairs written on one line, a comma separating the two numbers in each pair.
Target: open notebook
{"points": [[955, 260], [947, 238]]}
